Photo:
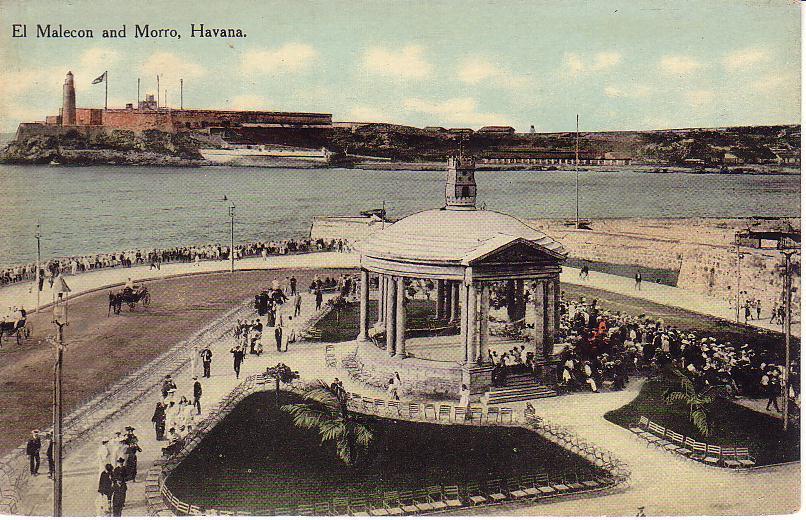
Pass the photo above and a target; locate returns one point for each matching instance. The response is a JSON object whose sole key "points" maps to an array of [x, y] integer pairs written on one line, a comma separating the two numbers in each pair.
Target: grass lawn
{"points": [[343, 326], [730, 423], [256, 459]]}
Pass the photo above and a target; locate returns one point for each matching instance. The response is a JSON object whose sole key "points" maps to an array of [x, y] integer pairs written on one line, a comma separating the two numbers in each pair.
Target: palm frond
{"points": [[307, 416], [332, 430], [676, 396], [343, 450], [700, 421], [321, 393], [363, 435]]}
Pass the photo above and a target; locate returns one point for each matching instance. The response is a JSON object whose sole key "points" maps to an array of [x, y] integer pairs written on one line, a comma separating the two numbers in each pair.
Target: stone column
{"points": [[400, 321], [548, 342], [440, 299], [510, 299], [484, 321], [472, 325], [540, 318], [454, 302], [391, 296], [520, 303], [364, 307], [463, 323], [381, 300]]}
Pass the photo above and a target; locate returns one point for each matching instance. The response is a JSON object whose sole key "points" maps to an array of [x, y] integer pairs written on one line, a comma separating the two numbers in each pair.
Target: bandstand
{"points": [[464, 251]]}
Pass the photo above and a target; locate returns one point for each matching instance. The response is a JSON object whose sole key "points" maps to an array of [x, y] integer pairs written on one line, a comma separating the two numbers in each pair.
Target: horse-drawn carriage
{"points": [[130, 297], [16, 328]]}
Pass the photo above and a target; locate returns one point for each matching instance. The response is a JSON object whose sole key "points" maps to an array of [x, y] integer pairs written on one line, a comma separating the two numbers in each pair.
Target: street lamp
{"points": [[739, 257], [61, 297], [281, 373], [231, 235], [38, 289], [787, 329]]}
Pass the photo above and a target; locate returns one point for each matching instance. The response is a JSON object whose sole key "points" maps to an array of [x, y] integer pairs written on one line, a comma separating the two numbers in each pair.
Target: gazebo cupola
{"points": [[460, 185]]}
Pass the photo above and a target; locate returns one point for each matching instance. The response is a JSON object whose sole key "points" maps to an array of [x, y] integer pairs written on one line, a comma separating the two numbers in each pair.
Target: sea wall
{"points": [[700, 249]]}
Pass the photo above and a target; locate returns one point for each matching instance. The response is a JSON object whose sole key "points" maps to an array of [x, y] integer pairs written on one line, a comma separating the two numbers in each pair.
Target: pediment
{"points": [[512, 251]]}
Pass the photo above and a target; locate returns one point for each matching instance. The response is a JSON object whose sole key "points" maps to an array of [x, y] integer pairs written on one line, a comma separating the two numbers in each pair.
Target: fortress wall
{"points": [[700, 250]]}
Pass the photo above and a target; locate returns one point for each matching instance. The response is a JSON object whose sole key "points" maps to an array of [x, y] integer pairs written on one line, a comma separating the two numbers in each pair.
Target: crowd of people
{"points": [[610, 346], [154, 258], [117, 464], [175, 418]]}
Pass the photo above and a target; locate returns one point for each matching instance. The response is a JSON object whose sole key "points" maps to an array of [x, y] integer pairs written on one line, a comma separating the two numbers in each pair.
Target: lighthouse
{"points": [[69, 101], [460, 185]]}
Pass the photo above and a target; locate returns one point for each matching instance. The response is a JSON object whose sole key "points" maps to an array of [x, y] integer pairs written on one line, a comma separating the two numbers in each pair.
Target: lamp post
{"points": [[787, 330], [38, 236], [61, 292], [231, 235]]}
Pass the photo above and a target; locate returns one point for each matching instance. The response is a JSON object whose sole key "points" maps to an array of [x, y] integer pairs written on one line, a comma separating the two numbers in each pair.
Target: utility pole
{"points": [[137, 104], [38, 236], [60, 320], [158, 91], [788, 330], [181, 93]]}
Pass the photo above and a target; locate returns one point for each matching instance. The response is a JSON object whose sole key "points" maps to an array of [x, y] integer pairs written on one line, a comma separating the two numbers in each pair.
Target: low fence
{"points": [[94, 413], [609, 472]]}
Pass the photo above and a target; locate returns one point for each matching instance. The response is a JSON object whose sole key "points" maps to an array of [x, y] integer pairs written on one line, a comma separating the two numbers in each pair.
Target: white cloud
{"points": [[575, 64], [407, 63], [368, 114], [99, 58], [605, 60], [454, 111], [170, 67], [699, 97], [249, 102], [679, 64], [744, 58], [628, 91], [289, 58], [476, 70]]}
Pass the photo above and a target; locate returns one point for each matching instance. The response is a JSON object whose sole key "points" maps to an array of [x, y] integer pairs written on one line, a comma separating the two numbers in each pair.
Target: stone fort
{"points": [[148, 115]]}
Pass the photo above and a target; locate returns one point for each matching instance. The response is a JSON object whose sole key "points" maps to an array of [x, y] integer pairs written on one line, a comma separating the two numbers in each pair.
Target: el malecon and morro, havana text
{"points": [[140, 31]]}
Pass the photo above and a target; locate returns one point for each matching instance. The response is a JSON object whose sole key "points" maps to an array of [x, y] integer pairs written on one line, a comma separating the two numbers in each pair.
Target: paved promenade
{"points": [[22, 294]]}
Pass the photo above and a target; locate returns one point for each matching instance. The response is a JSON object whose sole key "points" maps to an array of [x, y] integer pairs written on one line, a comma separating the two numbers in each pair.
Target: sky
{"points": [[621, 65]]}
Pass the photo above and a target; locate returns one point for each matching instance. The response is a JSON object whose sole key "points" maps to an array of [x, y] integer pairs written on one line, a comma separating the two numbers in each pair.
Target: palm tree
{"points": [[327, 411], [697, 402]]}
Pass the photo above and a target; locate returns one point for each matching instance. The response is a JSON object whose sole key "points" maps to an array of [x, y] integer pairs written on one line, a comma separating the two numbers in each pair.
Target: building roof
{"points": [[453, 236]]}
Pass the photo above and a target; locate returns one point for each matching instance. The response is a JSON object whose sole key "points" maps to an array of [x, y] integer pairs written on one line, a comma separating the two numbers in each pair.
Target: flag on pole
{"points": [[99, 78]]}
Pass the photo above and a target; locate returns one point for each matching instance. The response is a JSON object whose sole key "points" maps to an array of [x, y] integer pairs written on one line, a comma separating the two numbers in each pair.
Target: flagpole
{"points": [[106, 90], [576, 168], [138, 94]]}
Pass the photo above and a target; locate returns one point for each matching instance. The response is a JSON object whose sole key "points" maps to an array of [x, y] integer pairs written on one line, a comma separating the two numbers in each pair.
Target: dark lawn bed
{"points": [[255, 459], [731, 424]]}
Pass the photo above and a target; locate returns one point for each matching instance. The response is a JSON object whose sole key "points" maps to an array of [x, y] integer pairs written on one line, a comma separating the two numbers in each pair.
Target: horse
{"points": [[128, 296], [14, 328]]}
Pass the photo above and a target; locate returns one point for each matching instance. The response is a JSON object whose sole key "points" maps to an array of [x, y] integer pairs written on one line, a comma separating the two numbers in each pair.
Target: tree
{"points": [[327, 411], [697, 402]]}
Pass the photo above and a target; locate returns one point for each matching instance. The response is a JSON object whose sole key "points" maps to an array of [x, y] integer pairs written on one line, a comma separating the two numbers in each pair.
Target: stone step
{"points": [[519, 397], [518, 392]]}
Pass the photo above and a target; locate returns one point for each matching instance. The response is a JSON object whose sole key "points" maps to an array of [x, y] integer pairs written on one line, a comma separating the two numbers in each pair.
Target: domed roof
{"points": [[453, 236]]}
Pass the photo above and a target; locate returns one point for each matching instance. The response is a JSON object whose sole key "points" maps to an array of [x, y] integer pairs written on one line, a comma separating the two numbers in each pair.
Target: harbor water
{"points": [[108, 209]]}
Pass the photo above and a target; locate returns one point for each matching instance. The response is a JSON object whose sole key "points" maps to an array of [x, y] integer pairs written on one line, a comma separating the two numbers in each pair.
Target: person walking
{"points": [[207, 358], [290, 333], [237, 358], [197, 393], [32, 450], [318, 298], [119, 471], [49, 455], [638, 280], [278, 334], [293, 285], [118, 497], [102, 455], [297, 304], [105, 483], [758, 309], [158, 418]]}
